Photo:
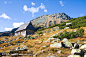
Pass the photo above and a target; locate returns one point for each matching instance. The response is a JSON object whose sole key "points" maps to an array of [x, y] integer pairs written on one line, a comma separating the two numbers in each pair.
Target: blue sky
{"points": [[13, 13]]}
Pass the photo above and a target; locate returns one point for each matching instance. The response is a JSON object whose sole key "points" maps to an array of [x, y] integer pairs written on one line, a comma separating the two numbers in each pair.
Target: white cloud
{"points": [[5, 2], [61, 3], [15, 25], [81, 14], [33, 9], [32, 3], [42, 6], [45, 10], [25, 8], [5, 16], [8, 29]]}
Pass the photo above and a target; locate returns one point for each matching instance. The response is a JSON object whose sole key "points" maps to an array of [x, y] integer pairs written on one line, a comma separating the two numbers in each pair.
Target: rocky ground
{"points": [[47, 46]]}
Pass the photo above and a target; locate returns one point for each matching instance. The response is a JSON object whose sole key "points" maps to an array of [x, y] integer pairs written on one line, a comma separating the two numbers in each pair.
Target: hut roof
{"points": [[27, 25]]}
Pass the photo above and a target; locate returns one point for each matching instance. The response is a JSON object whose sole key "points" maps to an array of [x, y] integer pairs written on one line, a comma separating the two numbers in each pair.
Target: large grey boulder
{"points": [[75, 51], [57, 45], [67, 43], [83, 47], [74, 56]]}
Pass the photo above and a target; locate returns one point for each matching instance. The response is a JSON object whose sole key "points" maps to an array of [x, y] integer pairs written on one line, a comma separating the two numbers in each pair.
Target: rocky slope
{"points": [[48, 20]]}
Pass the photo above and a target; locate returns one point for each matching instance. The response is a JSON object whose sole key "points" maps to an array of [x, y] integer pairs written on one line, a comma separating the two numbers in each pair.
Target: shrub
{"points": [[69, 35], [39, 33]]}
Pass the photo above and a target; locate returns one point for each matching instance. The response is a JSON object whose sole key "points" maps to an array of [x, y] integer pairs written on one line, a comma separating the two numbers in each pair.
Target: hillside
{"points": [[49, 42], [48, 20], [76, 23]]}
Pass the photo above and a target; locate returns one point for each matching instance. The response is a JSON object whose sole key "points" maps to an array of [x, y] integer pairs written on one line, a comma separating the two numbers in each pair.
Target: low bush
{"points": [[69, 35]]}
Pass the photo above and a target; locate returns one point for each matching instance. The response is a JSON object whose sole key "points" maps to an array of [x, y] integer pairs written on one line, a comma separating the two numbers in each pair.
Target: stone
{"points": [[85, 55], [75, 51], [74, 30], [78, 41], [60, 51], [80, 45], [49, 39], [84, 42], [43, 51], [40, 42], [55, 40], [66, 28], [25, 47], [17, 48], [74, 56], [57, 45], [52, 56], [76, 46], [65, 39], [83, 47], [67, 43], [44, 46], [28, 51]]}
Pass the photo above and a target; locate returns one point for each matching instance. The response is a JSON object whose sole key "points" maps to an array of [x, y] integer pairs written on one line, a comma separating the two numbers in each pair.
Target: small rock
{"points": [[84, 42], [40, 42], [52, 56], [60, 51], [58, 45], [78, 41], [44, 46], [74, 56]]}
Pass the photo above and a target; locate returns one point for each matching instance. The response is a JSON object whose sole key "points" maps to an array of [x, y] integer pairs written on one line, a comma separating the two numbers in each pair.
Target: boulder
{"points": [[83, 47], [57, 45], [67, 43], [85, 55], [76, 46], [74, 56], [75, 51], [80, 45], [65, 40]]}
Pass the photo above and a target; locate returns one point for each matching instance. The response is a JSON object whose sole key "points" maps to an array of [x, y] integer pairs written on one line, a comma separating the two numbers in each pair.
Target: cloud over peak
{"points": [[32, 3], [8, 29], [17, 24], [61, 3], [4, 16], [33, 9]]}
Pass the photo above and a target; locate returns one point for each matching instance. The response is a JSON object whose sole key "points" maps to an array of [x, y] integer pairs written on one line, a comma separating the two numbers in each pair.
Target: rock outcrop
{"points": [[48, 20]]}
